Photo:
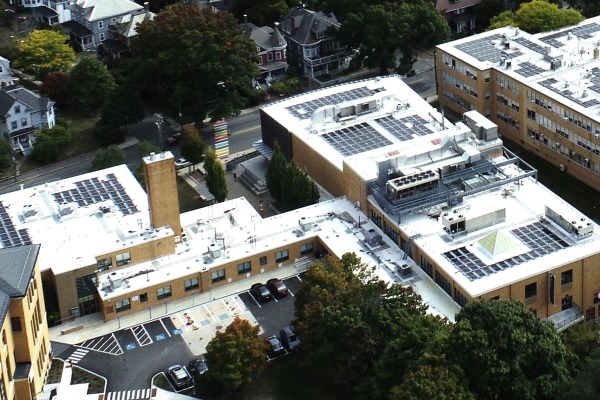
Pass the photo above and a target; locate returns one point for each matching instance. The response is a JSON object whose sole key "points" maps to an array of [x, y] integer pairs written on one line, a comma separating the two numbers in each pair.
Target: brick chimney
{"points": [[147, 6], [245, 18]]}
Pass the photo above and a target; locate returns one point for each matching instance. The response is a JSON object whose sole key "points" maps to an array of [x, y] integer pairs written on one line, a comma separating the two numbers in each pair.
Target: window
{"points": [[306, 248], [531, 290], [163, 292], [218, 275], [191, 284], [100, 24], [270, 57], [23, 121], [113, 20], [566, 278], [282, 256], [244, 267], [102, 37], [16, 324], [263, 260], [124, 258], [278, 55], [13, 125], [104, 264], [143, 297], [123, 305], [17, 109]]}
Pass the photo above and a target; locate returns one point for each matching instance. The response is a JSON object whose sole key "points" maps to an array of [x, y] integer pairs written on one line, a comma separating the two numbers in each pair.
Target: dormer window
{"points": [[17, 109], [320, 35], [258, 48]]}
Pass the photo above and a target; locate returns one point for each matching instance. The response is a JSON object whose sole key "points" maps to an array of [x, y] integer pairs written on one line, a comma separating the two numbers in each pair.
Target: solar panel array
{"points": [[11, 237], [595, 80], [404, 128], [528, 69], [536, 236], [484, 49], [92, 191], [547, 83], [355, 139], [530, 45], [305, 110], [584, 32]]}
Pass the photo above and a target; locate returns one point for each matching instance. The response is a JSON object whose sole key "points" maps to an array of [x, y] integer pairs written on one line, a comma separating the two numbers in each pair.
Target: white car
{"points": [[182, 163]]}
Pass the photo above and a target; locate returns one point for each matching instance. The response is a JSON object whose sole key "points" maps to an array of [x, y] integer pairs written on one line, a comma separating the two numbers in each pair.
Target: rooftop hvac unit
{"points": [[214, 250]]}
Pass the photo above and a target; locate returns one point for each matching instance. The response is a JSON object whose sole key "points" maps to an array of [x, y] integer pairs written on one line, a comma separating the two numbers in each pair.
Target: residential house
{"points": [[311, 47], [22, 113], [271, 48], [121, 32], [91, 19], [6, 76], [25, 353], [459, 13], [48, 11]]}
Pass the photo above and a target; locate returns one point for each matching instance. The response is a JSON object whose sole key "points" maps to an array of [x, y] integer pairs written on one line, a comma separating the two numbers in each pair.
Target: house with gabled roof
{"points": [[460, 14], [6, 76], [121, 32], [22, 113], [311, 47], [90, 20], [271, 48]]}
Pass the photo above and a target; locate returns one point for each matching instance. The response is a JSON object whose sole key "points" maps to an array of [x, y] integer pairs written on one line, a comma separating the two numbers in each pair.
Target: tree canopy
{"points": [[88, 85], [123, 106], [236, 355], [108, 157], [260, 12], [215, 176], [45, 51], [196, 59], [380, 28], [50, 143], [192, 145], [506, 352], [537, 16], [589, 8]]}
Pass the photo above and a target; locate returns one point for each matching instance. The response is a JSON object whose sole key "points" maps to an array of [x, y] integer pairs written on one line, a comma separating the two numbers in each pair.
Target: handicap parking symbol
{"points": [[162, 336], [177, 331], [130, 346]]}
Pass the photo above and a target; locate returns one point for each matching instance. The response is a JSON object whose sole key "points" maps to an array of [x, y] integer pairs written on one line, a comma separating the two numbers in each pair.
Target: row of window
{"points": [[161, 293], [566, 278], [15, 124], [106, 263], [279, 55]]}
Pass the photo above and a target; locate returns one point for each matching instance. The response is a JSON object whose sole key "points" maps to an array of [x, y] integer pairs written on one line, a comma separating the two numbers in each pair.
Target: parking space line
{"points": [[228, 307], [165, 328], [290, 292], [255, 301], [188, 320], [209, 313], [118, 345], [298, 276], [141, 335], [241, 308]]}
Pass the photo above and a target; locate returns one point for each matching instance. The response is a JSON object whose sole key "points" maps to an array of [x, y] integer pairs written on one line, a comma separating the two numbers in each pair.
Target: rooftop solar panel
{"points": [[355, 139], [306, 109], [528, 69]]}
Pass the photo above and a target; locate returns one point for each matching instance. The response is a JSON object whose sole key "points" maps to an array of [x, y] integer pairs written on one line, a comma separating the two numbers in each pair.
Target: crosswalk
{"points": [[77, 356], [137, 394]]}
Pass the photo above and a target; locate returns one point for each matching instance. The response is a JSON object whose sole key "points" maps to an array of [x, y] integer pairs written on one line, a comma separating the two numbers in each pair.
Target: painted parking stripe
{"points": [[290, 292], [141, 335], [77, 356], [210, 314], [166, 330]]}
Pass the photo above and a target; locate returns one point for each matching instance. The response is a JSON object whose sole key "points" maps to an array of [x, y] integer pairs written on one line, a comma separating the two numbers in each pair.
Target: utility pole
{"points": [[158, 120]]}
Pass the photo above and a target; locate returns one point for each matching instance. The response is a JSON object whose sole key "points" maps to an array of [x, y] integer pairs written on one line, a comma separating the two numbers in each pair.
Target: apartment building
{"points": [[542, 90], [25, 351], [467, 211]]}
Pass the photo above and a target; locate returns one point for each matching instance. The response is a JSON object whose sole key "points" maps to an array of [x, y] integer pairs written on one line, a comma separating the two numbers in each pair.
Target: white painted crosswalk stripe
{"points": [[136, 394], [77, 356]]}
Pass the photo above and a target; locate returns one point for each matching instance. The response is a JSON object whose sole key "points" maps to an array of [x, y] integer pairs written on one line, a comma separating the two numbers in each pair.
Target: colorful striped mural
{"points": [[221, 139]]}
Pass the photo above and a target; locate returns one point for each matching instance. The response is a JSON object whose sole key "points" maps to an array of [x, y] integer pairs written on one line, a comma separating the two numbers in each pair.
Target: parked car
{"points": [[289, 339], [182, 163], [260, 292], [277, 287], [275, 347], [198, 366], [179, 377], [174, 139]]}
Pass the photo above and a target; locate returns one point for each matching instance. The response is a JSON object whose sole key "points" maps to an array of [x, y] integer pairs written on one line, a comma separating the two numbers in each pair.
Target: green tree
{"points": [[486, 10], [380, 28], [260, 12], [54, 87], [508, 353], [589, 8], [6, 157], [215, 176], [88, 85], [45, 51], [122, 107], [108, 134], [192, 145], [582, 338], [108, 157], [345, 316], [538, 16], [236, 355], [50, 143], [197, 59], [586, 385], [433, 380], [275, 176]]}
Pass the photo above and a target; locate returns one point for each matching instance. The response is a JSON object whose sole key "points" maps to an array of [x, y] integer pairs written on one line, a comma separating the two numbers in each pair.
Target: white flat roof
{"points": [[574, 82], [536, 244], [79, 218], [400, 124], [240, 232]]}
